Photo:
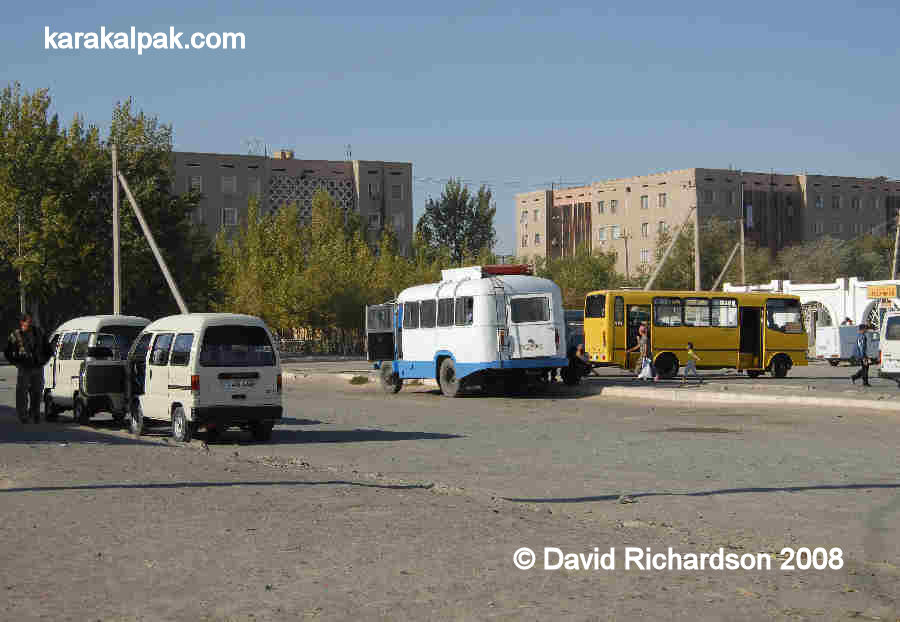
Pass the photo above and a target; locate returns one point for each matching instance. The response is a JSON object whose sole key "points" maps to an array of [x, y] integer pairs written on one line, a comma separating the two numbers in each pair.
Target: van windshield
{"points": [[124, 335], [236, 346], [892, 330]]}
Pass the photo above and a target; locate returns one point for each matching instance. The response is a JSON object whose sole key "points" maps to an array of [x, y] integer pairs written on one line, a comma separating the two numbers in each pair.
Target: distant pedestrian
{"points": [[862, 356], [691, 365], [27, 348], [847, 322]]}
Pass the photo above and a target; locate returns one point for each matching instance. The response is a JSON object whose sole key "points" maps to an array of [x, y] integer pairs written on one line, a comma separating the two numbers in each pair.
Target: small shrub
{"points": [[359, 380]]}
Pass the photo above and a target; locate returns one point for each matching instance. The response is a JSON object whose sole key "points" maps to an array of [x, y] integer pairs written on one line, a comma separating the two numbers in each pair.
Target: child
{"points": [[691, 365]]}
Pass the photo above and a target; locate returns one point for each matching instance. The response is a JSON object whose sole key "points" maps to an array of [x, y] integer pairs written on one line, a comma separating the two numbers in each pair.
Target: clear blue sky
{"points": [[517, 97]]}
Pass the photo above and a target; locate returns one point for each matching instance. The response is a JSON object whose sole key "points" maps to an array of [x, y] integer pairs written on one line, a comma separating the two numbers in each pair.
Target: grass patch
{"points": [[359, 380]]}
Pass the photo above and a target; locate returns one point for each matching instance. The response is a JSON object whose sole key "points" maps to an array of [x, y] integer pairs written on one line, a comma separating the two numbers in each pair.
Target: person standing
{"points": [[691, 365], [27, 348], [862, 356]]}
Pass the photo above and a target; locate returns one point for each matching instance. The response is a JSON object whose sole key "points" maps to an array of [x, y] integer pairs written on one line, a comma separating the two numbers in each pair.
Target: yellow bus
{"points": [[755, 332]]}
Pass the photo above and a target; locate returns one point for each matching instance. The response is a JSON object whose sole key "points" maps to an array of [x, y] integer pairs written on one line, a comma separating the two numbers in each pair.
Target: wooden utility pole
{"points": [[117, 275], [741, 222], [662, 260], [625, 238], [21, 281], [697, 251], [727, 265], [896, 243]]}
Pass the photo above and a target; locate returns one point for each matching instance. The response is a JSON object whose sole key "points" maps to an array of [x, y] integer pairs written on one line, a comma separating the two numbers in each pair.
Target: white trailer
{"points": [[838, 343]]}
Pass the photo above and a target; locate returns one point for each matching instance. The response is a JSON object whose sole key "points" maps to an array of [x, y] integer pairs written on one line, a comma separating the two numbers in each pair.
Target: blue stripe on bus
{"points": [[428, 369]]}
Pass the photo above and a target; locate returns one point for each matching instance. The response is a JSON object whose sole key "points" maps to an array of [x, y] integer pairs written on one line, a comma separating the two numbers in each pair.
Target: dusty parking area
{"points": [[411, 507]]}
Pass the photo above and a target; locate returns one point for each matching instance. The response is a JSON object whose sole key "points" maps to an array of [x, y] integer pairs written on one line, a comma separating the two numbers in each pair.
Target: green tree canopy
{"points": [[459, 221]]}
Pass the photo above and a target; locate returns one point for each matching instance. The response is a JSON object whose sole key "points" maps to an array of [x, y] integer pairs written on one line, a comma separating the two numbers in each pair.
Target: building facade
{"points": [[626, 215], [380, 193]]}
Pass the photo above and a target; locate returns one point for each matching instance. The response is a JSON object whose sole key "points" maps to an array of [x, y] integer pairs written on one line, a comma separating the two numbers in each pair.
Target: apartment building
{"points": [[626, 215], [379, 192]]}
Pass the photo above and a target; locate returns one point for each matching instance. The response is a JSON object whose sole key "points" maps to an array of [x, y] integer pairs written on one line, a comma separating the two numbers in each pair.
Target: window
{"points": [[524, 217], [139, 353], [236, 345], [465, 310], [645, 229], [892, 329], [723, 312], [613, 204], [836, 202], [524, 240], [601, 234], [645, 201], [374, 190], [411, 315], [427, 309], [181, 349], [616, 232], [876, 202], [68, 345], [537, 239], [820, 202], [229, 184], [374, 221], [666, 311], [696, 312], [124, 335], [253, 186], [838, 227], [397, 192], [595, 306], [599, 207], [195, 182], [399, 222], [730, 197], [229, 216], [197, 216], [708, 196], [855, 203], [619, 311], [661, 199], [662, 227], [445, 312], [535, 309], [784, 315], [537, 215], [161, 345], [81, 345], [645, 255]]}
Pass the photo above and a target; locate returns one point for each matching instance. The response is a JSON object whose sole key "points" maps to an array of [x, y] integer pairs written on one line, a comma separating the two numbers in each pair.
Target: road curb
{"points": [[700, 398]]}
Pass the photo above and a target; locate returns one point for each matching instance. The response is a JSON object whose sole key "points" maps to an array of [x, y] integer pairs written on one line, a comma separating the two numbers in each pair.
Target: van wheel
{"points": [[80, 411], [51, 412], [181, 429], [780, 366], [118, 417], [136, 418], [447, 378], [262, 432], [390, 380], [667, 365], [833, 362]]}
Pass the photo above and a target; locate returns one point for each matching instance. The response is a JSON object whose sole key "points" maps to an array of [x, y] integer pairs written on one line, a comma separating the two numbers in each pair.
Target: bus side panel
{"points": [[716, 347], [795, 345]]}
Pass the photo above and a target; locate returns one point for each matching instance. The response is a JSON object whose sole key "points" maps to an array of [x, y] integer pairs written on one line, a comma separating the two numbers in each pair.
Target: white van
{"points": [[890, 346], [212, 370], [86, 370]]}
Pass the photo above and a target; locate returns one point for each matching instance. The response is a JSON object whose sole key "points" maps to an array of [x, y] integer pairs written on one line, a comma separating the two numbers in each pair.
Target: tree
{"points": [[462, 223], [577, 275], [816, 261]]}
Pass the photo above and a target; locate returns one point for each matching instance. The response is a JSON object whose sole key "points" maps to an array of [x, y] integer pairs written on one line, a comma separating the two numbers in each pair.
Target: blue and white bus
{"points": [[478, 325]]}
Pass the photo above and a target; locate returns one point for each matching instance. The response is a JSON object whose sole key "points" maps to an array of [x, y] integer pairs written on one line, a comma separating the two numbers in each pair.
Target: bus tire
{"points": [[667, 365], [569, 376], [390, 381], [780, 366], [447, 379], [753, 373]]}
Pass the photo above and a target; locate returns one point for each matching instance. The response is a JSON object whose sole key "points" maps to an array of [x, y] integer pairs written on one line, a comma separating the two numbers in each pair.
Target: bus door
{"points": [[636, 315], [532, 327], [380, 332], [751, 338], [619, 332]]}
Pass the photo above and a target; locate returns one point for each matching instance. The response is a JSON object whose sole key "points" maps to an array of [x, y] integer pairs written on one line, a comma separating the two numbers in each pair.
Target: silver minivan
{"points": [[890, 346], [209, 370]]}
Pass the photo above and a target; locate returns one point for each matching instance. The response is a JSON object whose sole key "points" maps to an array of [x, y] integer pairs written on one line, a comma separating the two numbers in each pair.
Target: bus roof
{"points": [[511, 284], [663, 293]]}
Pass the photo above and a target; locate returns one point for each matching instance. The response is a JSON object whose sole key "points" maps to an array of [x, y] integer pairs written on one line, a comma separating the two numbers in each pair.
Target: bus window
{"points": [[784, 315], [723, 312], [445, 312], [536, 309], [619, 311], [667, 311], [595, 306], [892, 330], [696, 312], [411, 315], [465, 307], [426, 312]]}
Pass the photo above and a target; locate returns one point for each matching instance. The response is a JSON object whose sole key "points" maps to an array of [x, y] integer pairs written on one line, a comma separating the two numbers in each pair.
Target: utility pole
{"points": [[741, 222], [22, 282], [727, 265], [117, 275], [896, 243], [625, 237], [662, 260], [697, 250]]}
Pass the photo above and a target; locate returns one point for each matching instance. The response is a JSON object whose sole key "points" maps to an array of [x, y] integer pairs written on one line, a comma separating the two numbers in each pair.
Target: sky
{"points": [[513, 96]]}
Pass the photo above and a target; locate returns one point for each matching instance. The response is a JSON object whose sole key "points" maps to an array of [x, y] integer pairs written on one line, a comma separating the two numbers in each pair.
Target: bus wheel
{"points": [[667, 365], [753, 373], [448, 380], [569, 376], [780, 366], [390, 381]]}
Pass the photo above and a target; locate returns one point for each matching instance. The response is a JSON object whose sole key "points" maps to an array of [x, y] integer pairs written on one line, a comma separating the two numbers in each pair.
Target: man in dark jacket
{"points": [[27, 348], [863, 357]]}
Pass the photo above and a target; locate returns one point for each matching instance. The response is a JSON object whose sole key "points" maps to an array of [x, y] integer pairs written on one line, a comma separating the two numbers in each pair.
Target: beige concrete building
{"points": [[379, 192], [627, 215]]}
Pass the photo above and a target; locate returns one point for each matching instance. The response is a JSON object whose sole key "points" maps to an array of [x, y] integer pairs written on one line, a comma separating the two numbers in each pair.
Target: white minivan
{"points": [[86, 370], [890, 346], [212, 370]]}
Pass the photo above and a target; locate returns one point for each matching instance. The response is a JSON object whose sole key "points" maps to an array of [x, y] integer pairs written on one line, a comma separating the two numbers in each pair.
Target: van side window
{"points": [[68, 345], [181, 349], [81, 346], [445, 312], [53, 343], [427, 313], [465, 308], [161, 345], [411, 315], [139, 353]]}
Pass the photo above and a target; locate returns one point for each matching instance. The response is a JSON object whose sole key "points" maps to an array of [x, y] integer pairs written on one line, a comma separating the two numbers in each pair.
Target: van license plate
{"points": [[231, 385]]}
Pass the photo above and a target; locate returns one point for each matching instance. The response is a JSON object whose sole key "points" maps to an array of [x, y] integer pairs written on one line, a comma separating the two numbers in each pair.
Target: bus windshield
{"points": [[784, 316]]}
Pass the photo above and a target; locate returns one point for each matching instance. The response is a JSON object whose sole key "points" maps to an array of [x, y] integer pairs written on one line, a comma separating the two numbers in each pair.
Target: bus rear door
{"points": [[380, 332], [531, 326]]}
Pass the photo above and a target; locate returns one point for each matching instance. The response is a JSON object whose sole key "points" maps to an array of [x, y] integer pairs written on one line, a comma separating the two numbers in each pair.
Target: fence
{"points": [[339, 342]]}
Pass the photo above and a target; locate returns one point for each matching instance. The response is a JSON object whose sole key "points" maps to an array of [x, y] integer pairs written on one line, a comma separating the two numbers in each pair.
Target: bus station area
{"points": [[373, 505]]}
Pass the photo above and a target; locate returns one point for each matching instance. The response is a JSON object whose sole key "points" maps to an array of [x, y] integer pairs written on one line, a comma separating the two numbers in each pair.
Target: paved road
{"points": [[341, 483]]}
